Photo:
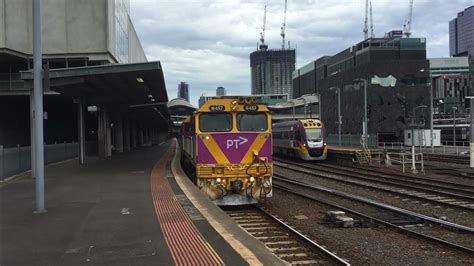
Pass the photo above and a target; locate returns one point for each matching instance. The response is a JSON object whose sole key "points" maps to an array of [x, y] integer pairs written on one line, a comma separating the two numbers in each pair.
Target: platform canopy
{"points": [[137, 89]]}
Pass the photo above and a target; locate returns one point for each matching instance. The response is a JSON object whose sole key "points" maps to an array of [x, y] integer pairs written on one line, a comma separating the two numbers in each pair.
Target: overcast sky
{"points": [[207, 43]]}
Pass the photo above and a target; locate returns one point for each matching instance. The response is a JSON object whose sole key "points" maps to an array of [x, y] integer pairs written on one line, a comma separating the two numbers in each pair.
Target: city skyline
{"points": [[208, 46]]}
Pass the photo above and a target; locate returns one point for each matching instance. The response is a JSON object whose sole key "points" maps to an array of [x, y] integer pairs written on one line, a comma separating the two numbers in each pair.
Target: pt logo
{"points": [[236, 142]]}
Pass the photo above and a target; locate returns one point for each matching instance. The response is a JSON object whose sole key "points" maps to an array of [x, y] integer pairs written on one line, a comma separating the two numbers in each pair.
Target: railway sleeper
{"points": [[271, 237], [309, 262], [269, 228], [283, 249], [289, 255]]}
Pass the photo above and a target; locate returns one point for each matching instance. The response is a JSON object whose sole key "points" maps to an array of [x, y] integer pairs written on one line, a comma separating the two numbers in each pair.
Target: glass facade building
{"points": [[183, 91], [461, 32], [220, 91], [122, 12]]}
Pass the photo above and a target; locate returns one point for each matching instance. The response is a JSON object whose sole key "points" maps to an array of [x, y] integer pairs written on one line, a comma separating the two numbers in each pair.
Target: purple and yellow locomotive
{"points": [[227, 150], [303, 139]]}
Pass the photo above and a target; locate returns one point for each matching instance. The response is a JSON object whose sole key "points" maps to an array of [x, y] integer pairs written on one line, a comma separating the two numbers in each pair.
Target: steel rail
{"points": [[398, 228], [456, 187], [307, 171], [377, 204], [325, 252]]}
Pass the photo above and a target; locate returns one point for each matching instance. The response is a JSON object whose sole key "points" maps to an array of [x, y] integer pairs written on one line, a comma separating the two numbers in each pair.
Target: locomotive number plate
{"points": [[216, 108], [251, 108]]}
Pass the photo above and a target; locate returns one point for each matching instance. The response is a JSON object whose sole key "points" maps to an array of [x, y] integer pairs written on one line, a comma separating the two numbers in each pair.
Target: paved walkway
{"points": [[101, 213]]}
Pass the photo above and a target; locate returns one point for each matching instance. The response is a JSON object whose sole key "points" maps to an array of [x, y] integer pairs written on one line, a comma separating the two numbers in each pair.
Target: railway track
{"points": [[283, 240], [455, 195], [444, 233], [445, 159]]}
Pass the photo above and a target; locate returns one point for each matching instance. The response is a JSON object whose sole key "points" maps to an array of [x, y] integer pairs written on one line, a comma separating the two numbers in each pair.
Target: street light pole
{"points": [[431, 115], [364, 121], [339, 117], [413, 161], [38, 108], [339, 114], [471, 130], [431, 110], [454, 125]]}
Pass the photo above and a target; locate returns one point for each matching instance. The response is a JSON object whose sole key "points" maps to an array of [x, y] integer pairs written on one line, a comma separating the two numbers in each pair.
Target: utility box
{"points": [[421, 137]]}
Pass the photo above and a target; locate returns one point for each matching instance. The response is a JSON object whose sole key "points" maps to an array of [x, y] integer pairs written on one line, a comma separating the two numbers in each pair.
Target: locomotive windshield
{"points": [[252, 122], [215, 122], [314, 134]]}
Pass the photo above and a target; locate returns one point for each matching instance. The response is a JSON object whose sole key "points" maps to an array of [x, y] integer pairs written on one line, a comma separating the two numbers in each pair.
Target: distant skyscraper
{"points": [[220, 91], [271, 71], [183, 91], [461, 32]]}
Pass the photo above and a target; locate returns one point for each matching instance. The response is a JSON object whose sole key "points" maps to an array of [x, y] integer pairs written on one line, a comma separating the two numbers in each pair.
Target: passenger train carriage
{"points": [[303, 139], [227, 150]]}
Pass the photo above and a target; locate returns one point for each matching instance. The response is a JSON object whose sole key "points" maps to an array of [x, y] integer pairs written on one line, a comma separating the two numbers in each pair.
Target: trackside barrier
{"points": [[403, 158], [18, 159]]}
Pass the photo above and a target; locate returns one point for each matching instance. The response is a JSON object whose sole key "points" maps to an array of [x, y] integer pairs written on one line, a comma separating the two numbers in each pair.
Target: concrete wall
{"points": [[135, 52], [19, 14], [68, 27], [2, 23]]}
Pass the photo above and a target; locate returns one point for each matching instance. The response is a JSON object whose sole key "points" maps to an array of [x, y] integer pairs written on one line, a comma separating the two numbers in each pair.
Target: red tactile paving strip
{"points": [[186, 244]]}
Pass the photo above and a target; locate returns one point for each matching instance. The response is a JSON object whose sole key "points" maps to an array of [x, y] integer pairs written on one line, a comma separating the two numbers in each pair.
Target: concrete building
{"points": [[461, 32], [306, 106], [389, 109], [271, 71], [183, 91], [220, 91], [450, 79], [95, 60]]}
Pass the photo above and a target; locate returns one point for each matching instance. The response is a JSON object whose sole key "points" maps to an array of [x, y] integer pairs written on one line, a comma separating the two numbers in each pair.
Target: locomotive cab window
{"points": [[215, 122], [252, 122], [314, 134]]}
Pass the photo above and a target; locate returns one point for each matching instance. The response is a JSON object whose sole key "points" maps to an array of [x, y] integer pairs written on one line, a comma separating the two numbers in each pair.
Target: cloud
{"points": [[207, 43]]}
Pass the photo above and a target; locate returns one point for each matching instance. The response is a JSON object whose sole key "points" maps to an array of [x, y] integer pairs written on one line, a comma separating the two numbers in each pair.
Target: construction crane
{"points": [[407, 25], [366, 29], [371, 22], [263, 46], [283, 28]]}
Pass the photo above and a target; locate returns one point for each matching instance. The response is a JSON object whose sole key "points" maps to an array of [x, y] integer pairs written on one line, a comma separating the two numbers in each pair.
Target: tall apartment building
{"points": [[389, 108], [271, 71], [220, 91], [183, 91], [461, 32]]}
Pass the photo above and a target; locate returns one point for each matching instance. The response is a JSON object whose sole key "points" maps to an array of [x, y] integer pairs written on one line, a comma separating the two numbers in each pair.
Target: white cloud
{"points": [[207, 43]]}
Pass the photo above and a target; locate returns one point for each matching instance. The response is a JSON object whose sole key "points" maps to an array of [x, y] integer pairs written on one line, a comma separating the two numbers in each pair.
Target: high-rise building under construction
{"points": [[271, 71]]}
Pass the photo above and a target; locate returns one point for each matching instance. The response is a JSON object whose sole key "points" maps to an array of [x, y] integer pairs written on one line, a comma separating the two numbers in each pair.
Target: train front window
{"points": [[252, 122], [314, 134], [215, 122]]}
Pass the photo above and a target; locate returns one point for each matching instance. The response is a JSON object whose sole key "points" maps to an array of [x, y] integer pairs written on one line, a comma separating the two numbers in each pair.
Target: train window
{"points": [[314, 134], [215, 122], [252, 122]]}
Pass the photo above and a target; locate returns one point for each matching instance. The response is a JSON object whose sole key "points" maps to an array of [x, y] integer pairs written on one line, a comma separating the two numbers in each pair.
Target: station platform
{"points": [[135, 208], [343, 154]]}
